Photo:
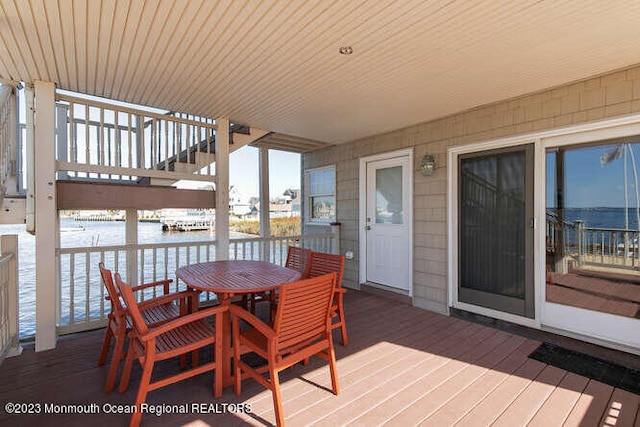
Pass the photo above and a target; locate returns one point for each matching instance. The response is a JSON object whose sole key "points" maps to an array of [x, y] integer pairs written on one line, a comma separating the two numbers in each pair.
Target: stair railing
{"points": [[100, 140]]}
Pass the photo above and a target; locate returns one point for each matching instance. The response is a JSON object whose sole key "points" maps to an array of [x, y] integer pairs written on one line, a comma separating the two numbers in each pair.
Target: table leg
{"points": [[227, 353]]}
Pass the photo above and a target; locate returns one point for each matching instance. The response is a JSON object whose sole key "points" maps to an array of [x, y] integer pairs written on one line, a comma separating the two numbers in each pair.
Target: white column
{"points": [[131, 240], [46, 219], [222, 189], [265, 226], [30, 163]]}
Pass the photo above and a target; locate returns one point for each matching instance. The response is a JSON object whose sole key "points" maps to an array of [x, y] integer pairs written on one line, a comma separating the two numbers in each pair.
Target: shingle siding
{"points": [[612, 95]]}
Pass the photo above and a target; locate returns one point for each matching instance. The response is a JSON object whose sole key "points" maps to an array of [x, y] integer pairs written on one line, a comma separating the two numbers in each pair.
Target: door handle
{"points": [[367, 227]]}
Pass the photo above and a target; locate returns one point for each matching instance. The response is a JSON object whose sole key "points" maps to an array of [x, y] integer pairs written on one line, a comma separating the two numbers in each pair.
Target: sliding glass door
{"points": [[592, 284], [495, 229]]}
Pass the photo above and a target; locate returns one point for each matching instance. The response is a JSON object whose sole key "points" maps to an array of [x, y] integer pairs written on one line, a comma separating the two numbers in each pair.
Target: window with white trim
{"points": [[321, 194]]}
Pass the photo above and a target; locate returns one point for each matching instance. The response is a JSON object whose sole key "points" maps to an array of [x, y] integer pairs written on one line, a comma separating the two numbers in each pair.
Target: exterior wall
{"points": [[612, 95]]}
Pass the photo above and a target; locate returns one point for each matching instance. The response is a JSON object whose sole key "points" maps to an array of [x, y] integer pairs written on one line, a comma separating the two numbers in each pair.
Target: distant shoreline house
{"points": [[239, 204], [286, 205]]}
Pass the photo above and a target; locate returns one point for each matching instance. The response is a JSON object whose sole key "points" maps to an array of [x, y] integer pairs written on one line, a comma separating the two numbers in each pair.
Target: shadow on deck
{"points": [[403, 366]]}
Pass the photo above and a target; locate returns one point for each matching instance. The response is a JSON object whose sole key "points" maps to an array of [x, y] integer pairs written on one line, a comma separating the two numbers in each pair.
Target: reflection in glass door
{"points": [[592, 218], [495, 259]]}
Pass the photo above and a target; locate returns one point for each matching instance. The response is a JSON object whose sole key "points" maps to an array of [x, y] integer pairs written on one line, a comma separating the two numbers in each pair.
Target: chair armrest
{"points": [[181, 321], [164, 283], [165, 299], [340, 290], [262, 327]]}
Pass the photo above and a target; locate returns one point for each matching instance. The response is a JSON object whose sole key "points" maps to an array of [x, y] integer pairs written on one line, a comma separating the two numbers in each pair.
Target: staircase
{"points": [[203, 154]]}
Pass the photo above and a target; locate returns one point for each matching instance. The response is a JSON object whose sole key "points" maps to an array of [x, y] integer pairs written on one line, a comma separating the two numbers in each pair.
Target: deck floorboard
{"points": [[403, 366]]}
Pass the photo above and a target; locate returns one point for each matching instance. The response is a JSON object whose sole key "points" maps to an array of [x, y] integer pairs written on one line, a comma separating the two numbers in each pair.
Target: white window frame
{"points": [[309, 196]]}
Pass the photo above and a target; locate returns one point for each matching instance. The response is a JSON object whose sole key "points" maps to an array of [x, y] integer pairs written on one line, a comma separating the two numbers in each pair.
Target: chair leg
{"points": [[343, 324], [252, 303], [183, 361], [143, 389], [277, 400], [115, 363], [333, 369], [195, 359], [106, 343], [126, 370]]}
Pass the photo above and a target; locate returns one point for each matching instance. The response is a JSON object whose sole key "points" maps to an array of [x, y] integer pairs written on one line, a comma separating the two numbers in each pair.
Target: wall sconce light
{"points": [[428, 165]]}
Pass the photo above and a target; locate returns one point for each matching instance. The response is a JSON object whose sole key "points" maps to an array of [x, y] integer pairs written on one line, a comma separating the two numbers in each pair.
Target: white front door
{"points": [[387, 222]]}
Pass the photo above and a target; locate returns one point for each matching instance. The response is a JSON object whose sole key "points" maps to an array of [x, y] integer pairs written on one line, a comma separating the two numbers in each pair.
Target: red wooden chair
{"points": [[322, 263], [178, 337], [154, 311], [302, 328], [297, 259]]}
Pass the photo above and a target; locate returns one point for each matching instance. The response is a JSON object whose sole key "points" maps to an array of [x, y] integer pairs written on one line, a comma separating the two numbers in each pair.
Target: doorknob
{"points": [[367, 227]]}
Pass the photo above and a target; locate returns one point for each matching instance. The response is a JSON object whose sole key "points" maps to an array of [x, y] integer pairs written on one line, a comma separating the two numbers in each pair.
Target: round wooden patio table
{"points": [[229, 278]]}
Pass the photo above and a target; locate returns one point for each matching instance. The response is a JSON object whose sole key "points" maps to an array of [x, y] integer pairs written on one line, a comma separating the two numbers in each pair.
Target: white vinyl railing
{"points": [[82, 294], [104, 140], [9, 340], [8, 129]]}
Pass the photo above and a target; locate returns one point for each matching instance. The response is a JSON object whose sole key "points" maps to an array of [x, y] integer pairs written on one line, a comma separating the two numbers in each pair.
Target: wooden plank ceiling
{"points": [[275, 64]]}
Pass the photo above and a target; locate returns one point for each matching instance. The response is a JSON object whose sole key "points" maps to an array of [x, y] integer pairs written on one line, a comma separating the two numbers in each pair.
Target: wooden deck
{"points": [[403, 366], [606, 292]]}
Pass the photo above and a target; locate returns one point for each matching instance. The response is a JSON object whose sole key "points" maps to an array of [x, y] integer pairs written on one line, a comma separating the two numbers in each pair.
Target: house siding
{"points": [[607, 96]]}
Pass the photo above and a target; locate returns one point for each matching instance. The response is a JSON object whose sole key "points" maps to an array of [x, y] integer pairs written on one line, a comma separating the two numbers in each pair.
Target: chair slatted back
{"points": [[303, 310], [114, 296], [131, 304], [323, 263], [298, 259]]}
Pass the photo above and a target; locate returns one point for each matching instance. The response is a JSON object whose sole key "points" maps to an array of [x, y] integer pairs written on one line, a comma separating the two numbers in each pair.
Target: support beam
{"points": [[265, 226], [46, 220], [30, 163], [131, 240], [222, 189]]}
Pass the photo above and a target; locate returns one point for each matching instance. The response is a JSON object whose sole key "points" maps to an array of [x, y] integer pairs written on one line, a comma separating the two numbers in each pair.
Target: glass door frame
{"points": [[594, 326], [501, 302], [563, 320], [454, 154]]}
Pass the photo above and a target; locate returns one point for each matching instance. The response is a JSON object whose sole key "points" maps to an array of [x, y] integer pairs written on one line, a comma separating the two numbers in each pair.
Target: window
{"points": [[321, 194]]}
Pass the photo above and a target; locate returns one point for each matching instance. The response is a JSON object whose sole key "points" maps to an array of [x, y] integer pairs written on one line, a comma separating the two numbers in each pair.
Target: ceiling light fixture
{"points": [[346, 50]]}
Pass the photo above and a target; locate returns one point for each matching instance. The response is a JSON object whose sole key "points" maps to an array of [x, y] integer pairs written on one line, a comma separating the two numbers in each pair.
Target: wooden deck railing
{"points": [[9, 340], [82, 295]]}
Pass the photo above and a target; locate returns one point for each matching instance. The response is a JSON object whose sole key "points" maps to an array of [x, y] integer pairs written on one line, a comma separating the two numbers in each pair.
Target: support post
{"points": [[15, 151], [131, 240], [222, 189], [62, 137], [580, 240], [9, 245], [46, 220], [30, 214], [335, 230], [265, 226]]}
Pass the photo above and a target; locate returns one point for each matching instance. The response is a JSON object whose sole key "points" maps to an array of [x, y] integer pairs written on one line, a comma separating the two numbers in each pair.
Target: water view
{"points": [[82, 234]]}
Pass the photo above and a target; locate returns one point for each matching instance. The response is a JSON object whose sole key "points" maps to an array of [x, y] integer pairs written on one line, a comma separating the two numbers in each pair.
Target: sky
{"points": [[284, 171], [591, 184]]}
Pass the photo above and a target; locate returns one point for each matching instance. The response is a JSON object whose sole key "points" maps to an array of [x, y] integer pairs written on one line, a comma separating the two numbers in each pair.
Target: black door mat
{"points": [[588, 366]]}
